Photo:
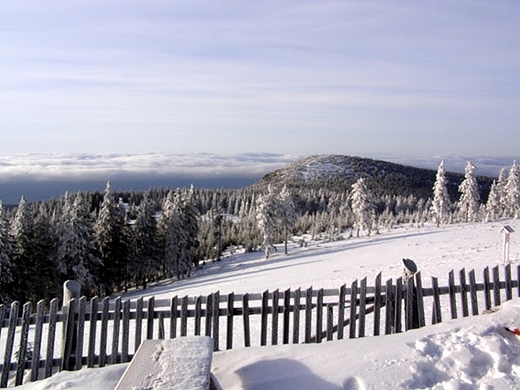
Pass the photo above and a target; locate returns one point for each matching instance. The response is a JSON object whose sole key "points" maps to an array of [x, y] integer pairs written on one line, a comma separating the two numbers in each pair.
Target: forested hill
{"points": [[338, 172]]}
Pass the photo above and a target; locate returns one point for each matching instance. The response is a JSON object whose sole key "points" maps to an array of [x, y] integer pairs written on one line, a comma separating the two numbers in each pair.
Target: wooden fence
{"points": [[37, 343]]}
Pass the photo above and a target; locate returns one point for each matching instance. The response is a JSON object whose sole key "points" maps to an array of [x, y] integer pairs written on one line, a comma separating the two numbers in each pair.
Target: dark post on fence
{"points": [[71, 292]]}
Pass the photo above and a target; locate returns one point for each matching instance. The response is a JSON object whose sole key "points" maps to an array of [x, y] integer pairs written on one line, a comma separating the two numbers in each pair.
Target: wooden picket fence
{"points": [[99, 332]]}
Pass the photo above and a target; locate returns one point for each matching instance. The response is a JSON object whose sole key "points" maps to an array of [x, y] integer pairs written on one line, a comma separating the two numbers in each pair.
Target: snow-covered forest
{"points": [[115, 241]]}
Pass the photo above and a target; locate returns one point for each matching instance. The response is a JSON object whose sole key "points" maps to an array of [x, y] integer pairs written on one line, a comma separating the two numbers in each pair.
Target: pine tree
{"points": [[513, 191], [361, 205], [469, 201], [441, 201], [19, 235], [266, 215], [190, 230], [109, 238], [493, 206], [286, 213], [76, 252], [42, 277], [502, 191], [6, 277], [144, 235]]}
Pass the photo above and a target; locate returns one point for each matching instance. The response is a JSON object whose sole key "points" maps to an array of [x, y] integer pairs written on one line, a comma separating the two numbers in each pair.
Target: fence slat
{"points": [[319, 316], [230, 309], [198, 315], [160, 328], [80, 332], [209, 313], [274, 317], [473, 292], [308, 315], [389, 305], [463, 293], [69, 339], [453, 302], [104, 332], [487, 289], [263, 321], [330, 322], [353, 299], [362, 307], [286, 315], [150, 315], [173, 318], [296, 316], [377, 305], [49, 356], [115, 331], [410, 308], [509, 284], [245, 316], [420, 300], [138, 323], [125, 341], [436, 312], [496, 286], [37, 344], [92, 332], [216, 320], [184, 316], [398, 300], [341, 310], [24, 338]]}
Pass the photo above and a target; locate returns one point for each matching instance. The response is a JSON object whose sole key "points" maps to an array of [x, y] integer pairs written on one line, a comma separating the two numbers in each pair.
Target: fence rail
{"points": [[99, 332]]}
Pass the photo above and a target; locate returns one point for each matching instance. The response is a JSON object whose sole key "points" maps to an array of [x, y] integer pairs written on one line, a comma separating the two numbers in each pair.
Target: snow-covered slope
{"points": [[472, 353]]}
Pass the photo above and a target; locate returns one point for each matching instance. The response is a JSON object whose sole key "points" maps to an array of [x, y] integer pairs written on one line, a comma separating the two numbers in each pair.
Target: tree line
{"points": [[114, 241]]}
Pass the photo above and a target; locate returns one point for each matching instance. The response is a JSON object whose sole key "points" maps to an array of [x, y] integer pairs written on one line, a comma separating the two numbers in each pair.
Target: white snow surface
{"points": [[470, 353]]}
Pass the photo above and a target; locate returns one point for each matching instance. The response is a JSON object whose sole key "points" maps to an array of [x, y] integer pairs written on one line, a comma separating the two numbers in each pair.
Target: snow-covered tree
{"points": [[493, 206], [469, 201], [19, 235], [144, 251], [266, 216], [513, 191], [362, 206], [441, 200], [6, 277], [76, 253], [502, 191], [109, 238], [286, 213], [177, 230]]}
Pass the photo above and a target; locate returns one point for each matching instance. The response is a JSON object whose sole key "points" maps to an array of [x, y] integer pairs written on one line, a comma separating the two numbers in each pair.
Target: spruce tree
{"points": [[266, 215], [110, 243], [361, 205], [144, 235], [76, 252], [286, 213], [469, 201], [6, 277], [19, 235], [513, 191], [493, 206], [441, 201]]}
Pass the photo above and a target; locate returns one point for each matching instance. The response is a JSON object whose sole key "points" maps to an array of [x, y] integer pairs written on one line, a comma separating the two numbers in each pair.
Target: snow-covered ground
{"points": [[470, 353]]}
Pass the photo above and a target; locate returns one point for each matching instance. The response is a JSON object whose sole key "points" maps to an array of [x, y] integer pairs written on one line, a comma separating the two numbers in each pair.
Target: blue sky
{"points": [[366, 78]]}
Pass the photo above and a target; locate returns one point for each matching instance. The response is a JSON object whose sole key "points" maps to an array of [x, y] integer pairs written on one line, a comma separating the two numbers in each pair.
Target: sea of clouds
{"points": [[42, 176]]}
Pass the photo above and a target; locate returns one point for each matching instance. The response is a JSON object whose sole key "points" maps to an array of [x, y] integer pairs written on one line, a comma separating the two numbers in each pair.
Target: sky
{"points": [[297, 78]]}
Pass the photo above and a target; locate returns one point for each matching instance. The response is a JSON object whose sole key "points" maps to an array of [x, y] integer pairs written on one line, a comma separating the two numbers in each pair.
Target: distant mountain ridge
{"points": [[339, 172]]}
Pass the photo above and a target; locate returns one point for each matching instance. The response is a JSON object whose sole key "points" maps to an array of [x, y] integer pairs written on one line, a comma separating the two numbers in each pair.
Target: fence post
{"points": [[71, 292]]}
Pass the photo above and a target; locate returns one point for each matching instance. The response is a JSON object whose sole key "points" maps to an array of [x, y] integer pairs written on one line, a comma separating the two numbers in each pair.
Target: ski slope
{"points": [[470, 353]]}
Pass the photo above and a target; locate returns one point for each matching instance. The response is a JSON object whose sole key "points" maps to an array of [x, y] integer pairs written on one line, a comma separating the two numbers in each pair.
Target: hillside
{"points": [[467, 353], [338, 172]]}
